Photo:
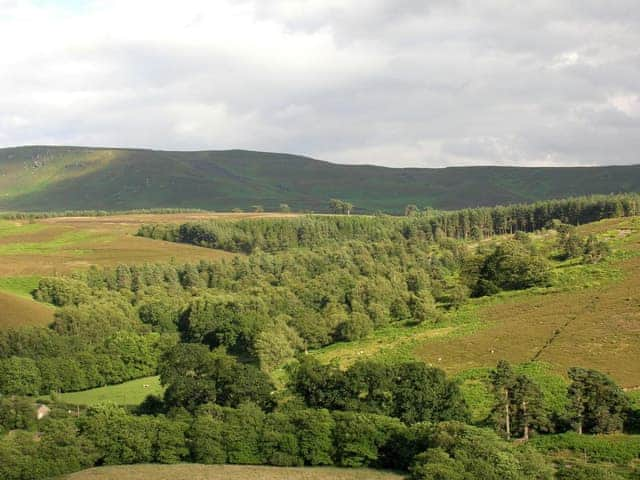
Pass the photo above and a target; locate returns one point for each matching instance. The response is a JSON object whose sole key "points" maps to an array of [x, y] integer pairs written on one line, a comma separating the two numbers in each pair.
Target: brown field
{"points": [[228, 472], [597, 327], [18, 311], [63, 244]]}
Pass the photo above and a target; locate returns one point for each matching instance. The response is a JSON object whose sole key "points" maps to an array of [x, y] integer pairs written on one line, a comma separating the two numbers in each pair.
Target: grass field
{"points": [[17, 311], [229, 472], [63, 244], [125, 394], [596, 327], [32, 249], [22, 286], [589, 318]]}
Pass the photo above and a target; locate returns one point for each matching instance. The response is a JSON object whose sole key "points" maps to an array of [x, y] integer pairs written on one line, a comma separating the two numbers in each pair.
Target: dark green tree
{"points": [[597, 404]]}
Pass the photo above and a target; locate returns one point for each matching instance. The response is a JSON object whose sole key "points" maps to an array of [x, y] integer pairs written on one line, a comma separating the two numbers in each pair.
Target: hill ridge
{"points": [[45, 177]]}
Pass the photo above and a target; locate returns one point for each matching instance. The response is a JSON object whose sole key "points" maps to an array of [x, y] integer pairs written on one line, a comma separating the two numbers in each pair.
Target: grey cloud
{"points": [[392, 82]]}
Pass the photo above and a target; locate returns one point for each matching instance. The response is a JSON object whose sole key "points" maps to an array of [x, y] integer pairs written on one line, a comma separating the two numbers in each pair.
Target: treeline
{"points": [[39, 361], [276, 234], [478, 223], [291, 436], [217, 410], [406, 417], [272, 235]]}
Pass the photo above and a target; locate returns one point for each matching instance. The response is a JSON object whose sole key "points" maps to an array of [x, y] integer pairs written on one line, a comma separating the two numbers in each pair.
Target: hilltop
{"points": [[65, 178]]}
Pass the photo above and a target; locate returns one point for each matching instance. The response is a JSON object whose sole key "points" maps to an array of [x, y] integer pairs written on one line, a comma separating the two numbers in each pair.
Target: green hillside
{"points": [[61, 178]]}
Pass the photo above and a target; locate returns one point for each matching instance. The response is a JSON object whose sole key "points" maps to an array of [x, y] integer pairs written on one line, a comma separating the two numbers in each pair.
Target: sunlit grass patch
{"points": [[22, 286], [126, 394]]}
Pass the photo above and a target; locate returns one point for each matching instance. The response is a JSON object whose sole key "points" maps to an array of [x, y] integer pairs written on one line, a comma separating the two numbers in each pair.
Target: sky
{"points": [[399, 83]]}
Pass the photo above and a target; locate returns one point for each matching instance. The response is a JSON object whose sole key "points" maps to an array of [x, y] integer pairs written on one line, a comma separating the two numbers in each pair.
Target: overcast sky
{"points": [[396, 83]]}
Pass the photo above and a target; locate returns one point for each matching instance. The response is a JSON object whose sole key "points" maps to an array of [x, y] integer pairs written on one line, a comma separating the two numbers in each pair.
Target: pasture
{"points": [[230, 472], [17, 311], [63, 244], [30, 249], [596, 326], [124, 394]]}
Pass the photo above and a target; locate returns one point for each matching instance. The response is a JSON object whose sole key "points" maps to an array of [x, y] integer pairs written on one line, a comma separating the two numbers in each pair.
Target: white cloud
{"points": [[393, 82]]}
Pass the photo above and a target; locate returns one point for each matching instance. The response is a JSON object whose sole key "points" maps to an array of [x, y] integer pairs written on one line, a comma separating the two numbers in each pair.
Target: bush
{"points": [[619, 449], [357, 326]]}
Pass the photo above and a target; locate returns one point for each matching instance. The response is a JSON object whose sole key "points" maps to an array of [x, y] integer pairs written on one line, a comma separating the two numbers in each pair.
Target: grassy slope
{"points": [[57, 178], [229, 472], [17, 311], [127, 393], [60, 245], [588, 318]]}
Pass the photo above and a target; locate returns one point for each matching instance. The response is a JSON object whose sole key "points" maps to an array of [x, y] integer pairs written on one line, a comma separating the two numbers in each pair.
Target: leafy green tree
{"points": [[354, 327], [437, 464], [595, 250], [119, 437], [571, 244], [360, 437], [61, 449], [61, 291], [458, 451], [276, 343], [503, 381], [280, 441], [411, 210], [242, 432], [511, 266], [163, 314], [187, 372], [195, 376], [314, 429], [96, 319], [530, 413], [340, 206], [597, 404], [518, 404], [62, 375], [206, 440], [368, 386], [421, 393], [169, 441], [19, 376], [320, 386], [16, 413]]}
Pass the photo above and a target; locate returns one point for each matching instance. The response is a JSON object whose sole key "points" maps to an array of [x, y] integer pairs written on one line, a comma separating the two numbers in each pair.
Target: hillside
{"points": [[62, 178]]}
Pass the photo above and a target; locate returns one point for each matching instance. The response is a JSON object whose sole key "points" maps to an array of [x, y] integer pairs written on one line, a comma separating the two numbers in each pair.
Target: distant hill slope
{"points": [[62, 178]]}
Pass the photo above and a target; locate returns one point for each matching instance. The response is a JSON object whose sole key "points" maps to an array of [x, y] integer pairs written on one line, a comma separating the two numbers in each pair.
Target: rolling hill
{"points": [[72, 178]]}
